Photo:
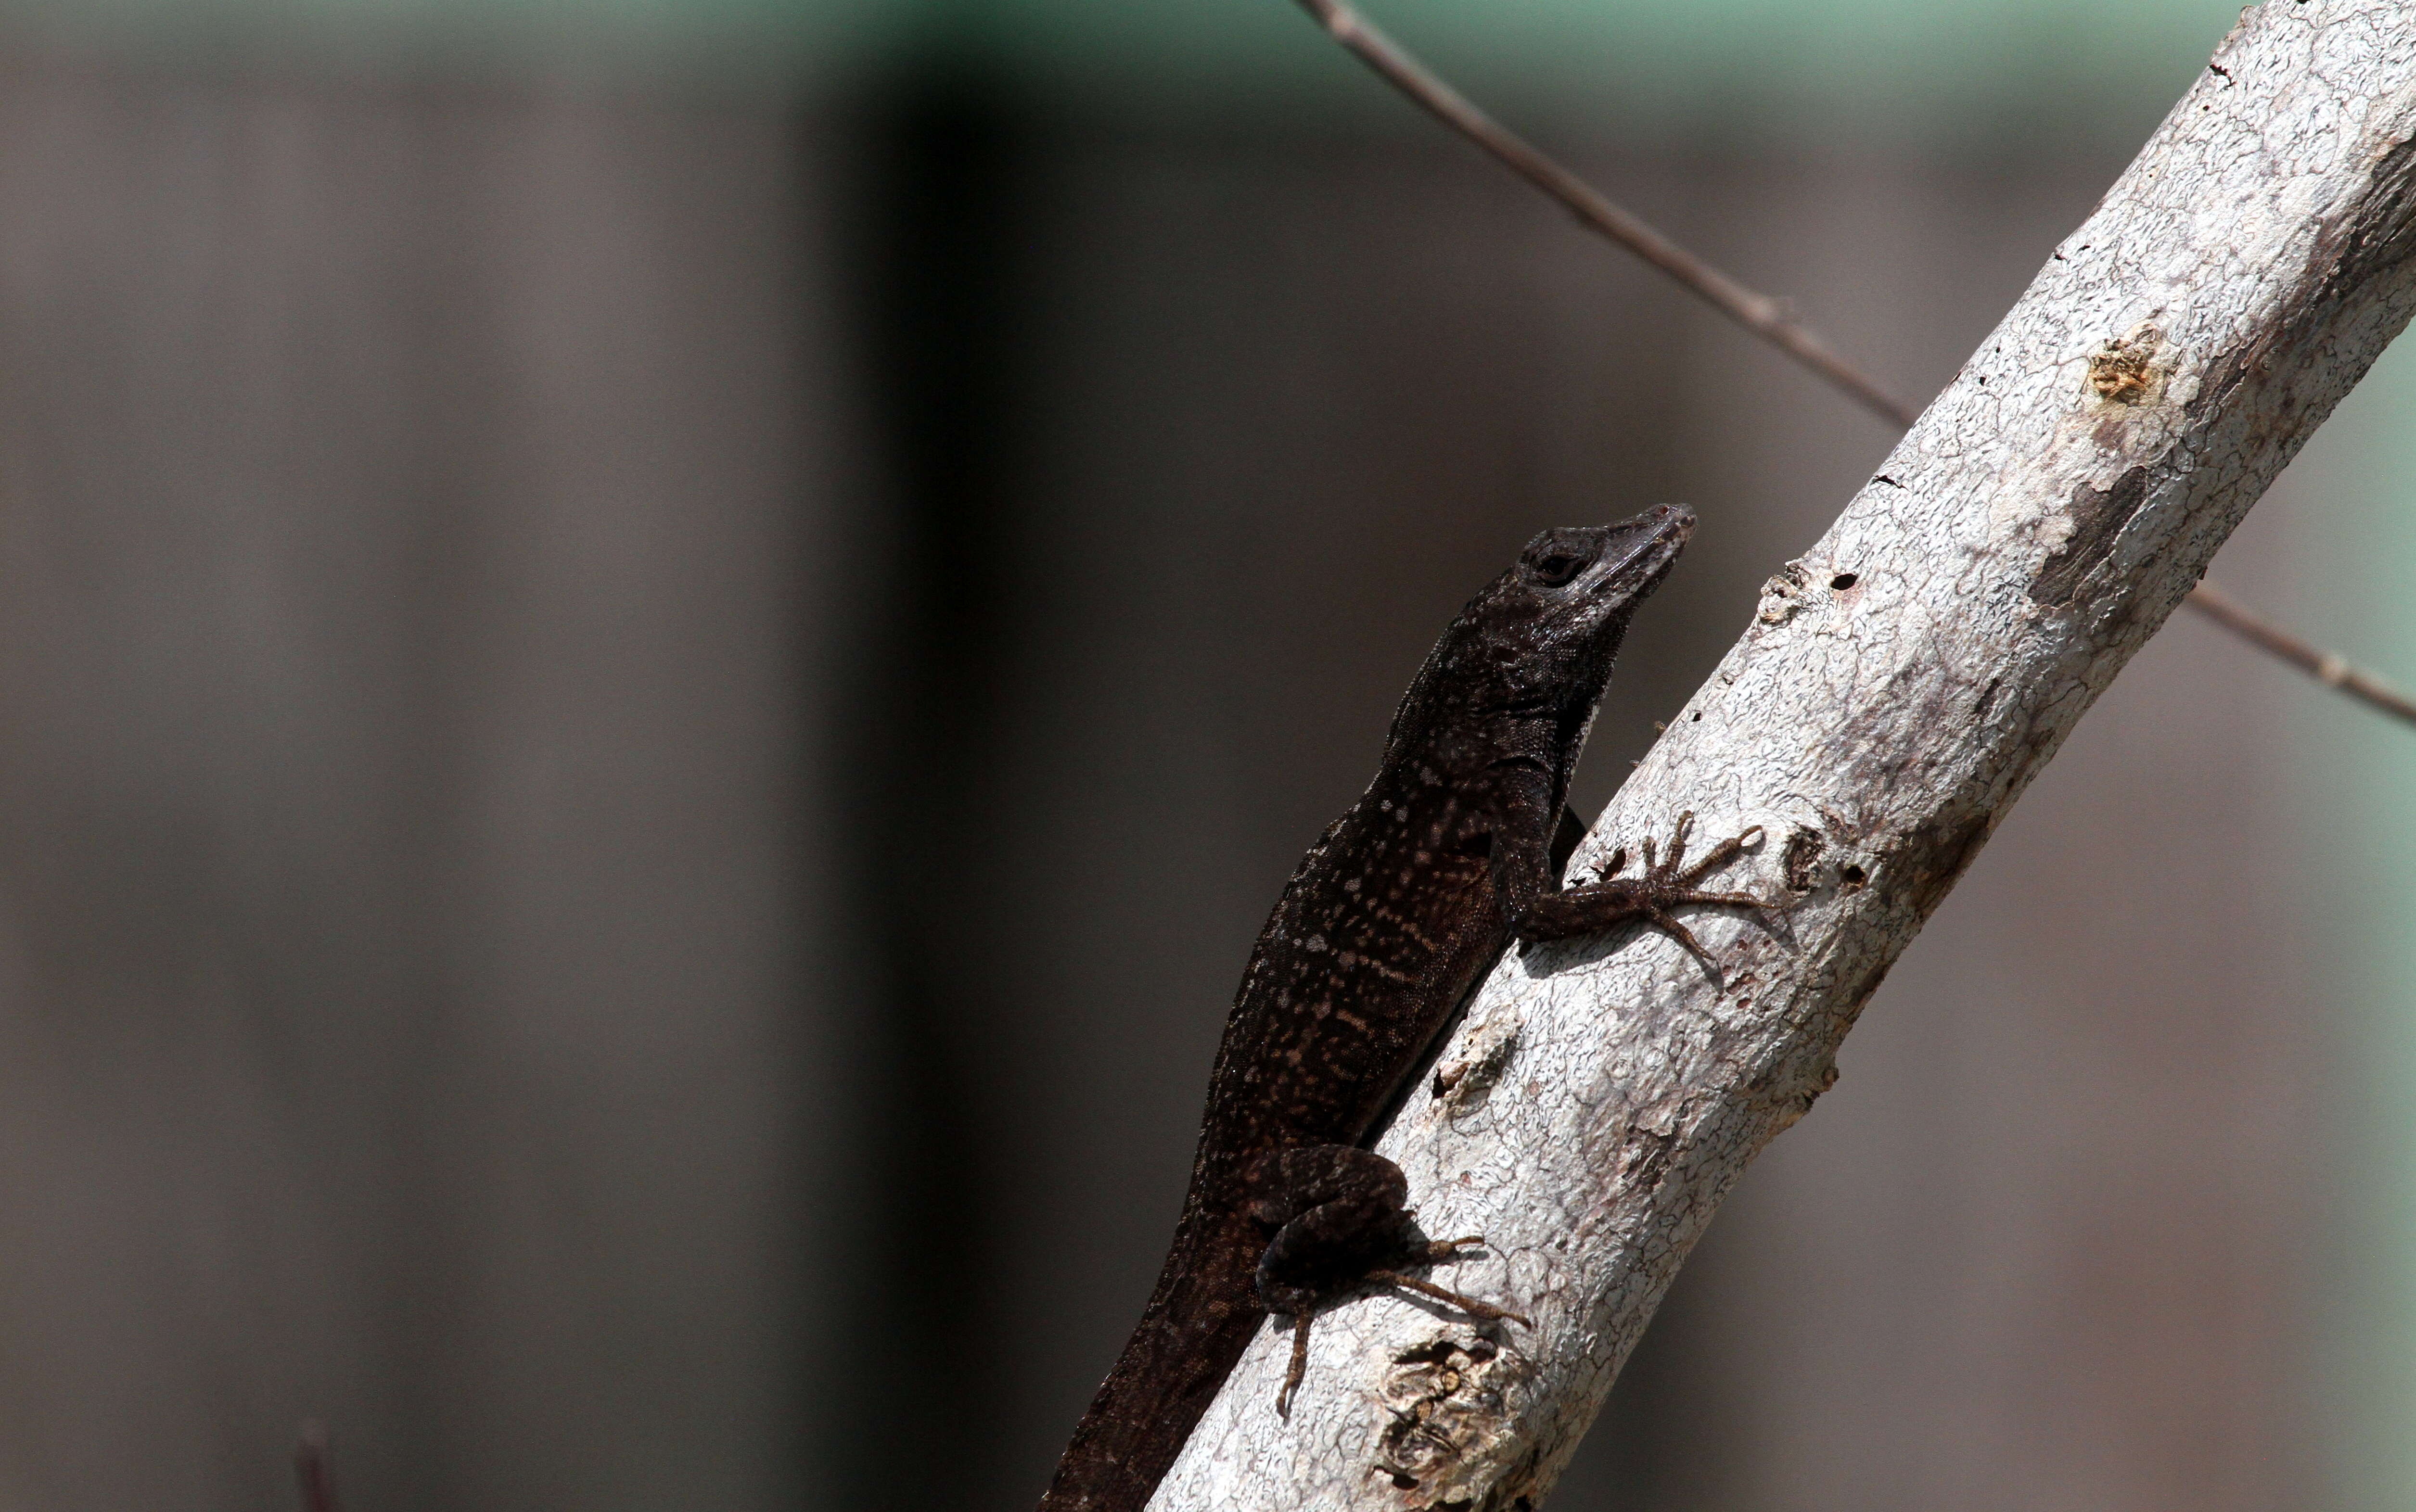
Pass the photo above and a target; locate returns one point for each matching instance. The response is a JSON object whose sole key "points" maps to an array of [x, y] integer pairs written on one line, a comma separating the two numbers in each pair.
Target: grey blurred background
{"points": [[657, 660]]}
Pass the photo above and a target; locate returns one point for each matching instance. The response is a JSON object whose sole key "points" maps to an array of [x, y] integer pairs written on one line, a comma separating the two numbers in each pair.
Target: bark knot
{"points": [[1801, 857], [2125, 371], [1465, 1082], [1445, 1410], [1783, 594]]}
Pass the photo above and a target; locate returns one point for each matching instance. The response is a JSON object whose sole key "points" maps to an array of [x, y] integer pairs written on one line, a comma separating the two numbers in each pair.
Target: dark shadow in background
{"points": [[943, 224], [932, 245]]}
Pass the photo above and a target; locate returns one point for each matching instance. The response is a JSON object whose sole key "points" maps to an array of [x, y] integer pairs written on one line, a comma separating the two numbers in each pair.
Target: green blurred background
{"points": [[1737, 68], [662, 656]]}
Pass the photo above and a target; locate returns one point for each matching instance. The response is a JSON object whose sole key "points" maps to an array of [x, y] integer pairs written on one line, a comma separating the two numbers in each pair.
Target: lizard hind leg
{"points": [[1341, 1220]]}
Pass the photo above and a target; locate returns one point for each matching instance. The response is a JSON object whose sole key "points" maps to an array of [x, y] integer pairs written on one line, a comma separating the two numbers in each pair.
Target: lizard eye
{"points": [[1555, 568]]}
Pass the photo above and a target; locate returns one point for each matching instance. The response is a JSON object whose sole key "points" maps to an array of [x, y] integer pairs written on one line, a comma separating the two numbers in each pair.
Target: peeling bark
{"points": [[1898, 687]]}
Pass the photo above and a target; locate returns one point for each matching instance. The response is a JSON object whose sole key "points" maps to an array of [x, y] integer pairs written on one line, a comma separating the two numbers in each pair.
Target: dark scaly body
{"points": [[1304, 1060], [1392, 918]]}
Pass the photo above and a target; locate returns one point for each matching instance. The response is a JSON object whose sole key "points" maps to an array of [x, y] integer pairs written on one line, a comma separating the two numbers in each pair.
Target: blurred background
{"points": [[658, 658]]}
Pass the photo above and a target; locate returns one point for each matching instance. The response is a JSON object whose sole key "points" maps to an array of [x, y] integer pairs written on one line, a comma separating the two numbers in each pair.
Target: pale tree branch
{"points": [[1764, 316], [1898, 687]]}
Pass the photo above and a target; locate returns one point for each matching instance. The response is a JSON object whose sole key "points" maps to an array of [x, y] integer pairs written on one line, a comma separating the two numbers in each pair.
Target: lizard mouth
{"points": [[1638, 553]]}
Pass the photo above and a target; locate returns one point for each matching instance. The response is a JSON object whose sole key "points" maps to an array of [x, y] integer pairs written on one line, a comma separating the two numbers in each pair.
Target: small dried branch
{"points": [[2328, 667], [1757, 312], [312, 1475], [1761, 314]]}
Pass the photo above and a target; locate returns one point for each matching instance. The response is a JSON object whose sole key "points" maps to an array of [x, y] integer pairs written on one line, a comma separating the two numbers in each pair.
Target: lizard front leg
{"points": [[1665, 885], [1342, 1218]]}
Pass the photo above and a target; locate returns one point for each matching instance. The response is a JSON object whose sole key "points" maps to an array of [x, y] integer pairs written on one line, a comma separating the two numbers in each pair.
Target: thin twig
{"points": [[1764, 316], [1760, 314], [311, 1473], [2327, 667]]}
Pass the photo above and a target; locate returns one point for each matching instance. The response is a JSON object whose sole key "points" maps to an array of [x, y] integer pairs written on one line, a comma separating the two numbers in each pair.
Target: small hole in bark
{"points": [[1843, 581], [1851, 876], [1696, 718]]}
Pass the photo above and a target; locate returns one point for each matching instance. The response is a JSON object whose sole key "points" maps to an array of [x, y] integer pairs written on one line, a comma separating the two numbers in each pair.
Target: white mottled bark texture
{"points": [[1899, 686]]}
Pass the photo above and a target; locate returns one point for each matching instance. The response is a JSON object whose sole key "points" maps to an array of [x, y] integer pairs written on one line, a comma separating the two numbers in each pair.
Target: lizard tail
{"points": [[1202, 1315]]}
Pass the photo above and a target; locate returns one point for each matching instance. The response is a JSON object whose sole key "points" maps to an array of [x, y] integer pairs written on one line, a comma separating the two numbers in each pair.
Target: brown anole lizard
{"points": [[1392, 919]]}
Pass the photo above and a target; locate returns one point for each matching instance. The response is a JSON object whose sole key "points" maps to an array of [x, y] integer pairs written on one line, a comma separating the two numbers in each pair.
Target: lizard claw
{"points": [[1665, 884], [1668, 924], [1433, 1250], [1298, 1368], [1449, 1249], [1468, 1305]]}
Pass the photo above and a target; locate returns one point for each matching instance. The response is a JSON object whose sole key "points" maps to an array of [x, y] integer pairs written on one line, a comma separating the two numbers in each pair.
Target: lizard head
{"points": [[1537, 644], [1579, 578]]}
